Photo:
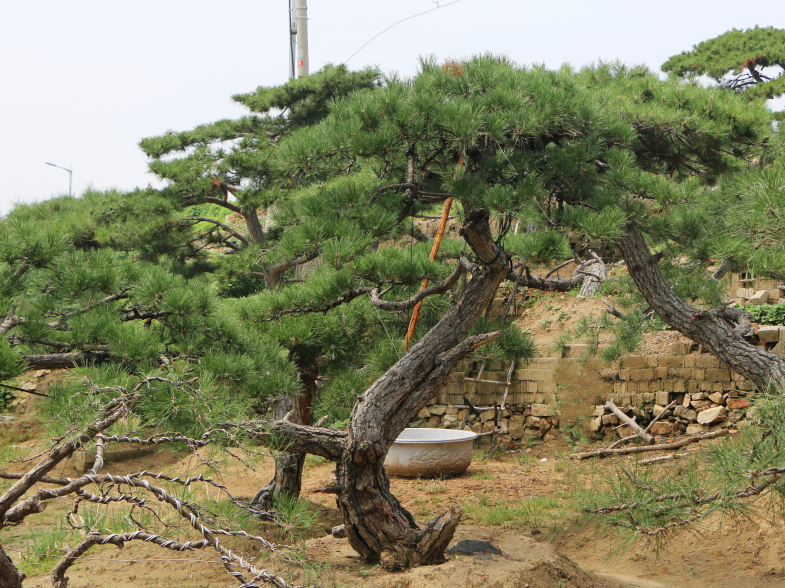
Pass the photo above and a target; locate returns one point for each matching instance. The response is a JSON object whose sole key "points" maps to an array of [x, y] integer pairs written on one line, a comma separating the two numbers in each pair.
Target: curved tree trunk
{"points": [[9, 576], [374, 520], [710, 328], [253, 225], [289, 464]]}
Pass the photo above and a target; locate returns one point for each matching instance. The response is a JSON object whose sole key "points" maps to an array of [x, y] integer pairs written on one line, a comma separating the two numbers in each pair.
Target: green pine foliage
{"points": [[147, 317], [319, 163], [731, 55], [512, 344]]}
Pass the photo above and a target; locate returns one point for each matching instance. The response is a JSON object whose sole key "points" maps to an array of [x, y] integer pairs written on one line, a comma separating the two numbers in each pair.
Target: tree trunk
{"points": [[289, 464], [710, 328], [374, 520], [253, 225], [9, 577], [595, 275]]}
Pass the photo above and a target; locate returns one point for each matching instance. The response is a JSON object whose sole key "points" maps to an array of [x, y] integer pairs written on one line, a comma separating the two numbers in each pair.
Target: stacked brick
{"points": [[693, 413], [772, 338], [753, 296], [707, 395], [529, 412], [530, 421], [639, 378], [532, 383]]}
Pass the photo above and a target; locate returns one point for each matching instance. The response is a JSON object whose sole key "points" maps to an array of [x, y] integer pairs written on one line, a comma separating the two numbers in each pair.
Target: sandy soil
{"points": [[551, 549], [546, 546]]}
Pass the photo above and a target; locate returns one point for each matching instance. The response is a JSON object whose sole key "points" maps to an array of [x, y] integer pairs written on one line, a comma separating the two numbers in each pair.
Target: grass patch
{"points": [[44, 549], [296, 516], [526, 461], [533, 512], [482, 476]]}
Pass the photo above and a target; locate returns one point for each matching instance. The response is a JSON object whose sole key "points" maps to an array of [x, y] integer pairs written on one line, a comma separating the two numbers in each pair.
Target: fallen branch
{"points": [[622, 441], [648, 439], [772, 475], [662, 458], [659, 416], [661, 447]]}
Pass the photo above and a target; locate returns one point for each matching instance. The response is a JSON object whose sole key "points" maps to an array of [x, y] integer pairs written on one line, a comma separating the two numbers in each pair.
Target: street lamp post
{"points": [[70, 175]]}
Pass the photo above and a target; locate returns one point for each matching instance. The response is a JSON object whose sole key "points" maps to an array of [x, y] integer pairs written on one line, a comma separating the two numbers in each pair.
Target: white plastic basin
{"points": [[428, 452]]}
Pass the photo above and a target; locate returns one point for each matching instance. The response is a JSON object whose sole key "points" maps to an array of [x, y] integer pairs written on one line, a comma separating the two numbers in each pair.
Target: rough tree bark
{"points": [[249, 214], [714, 328], [9, 577], [594, 276], [253, 225], [289, 464], [55, 361], [374, 520]]}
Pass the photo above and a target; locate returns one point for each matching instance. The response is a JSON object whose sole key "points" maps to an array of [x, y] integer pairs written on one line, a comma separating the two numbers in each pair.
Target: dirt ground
{"points": [[523, 503], [544, 546]]}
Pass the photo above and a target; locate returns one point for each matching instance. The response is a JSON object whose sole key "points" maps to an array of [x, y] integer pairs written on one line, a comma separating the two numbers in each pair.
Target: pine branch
{"points": [[104, 301], [225, 227], [529, 280], [327, 443], [9, 322], [272, 272], [741, 319], [463, 265], [54, 361], [133, 314], [772, 475], [112, 412], [343, 299], [219, 201], [60, 580]]}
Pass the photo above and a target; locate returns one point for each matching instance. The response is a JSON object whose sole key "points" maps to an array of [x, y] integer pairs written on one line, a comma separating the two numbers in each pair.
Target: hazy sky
{"points": [[84, 81]]}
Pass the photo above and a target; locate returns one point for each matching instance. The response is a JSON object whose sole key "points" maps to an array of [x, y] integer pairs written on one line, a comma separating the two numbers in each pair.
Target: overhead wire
{"points": [[438, 6]]}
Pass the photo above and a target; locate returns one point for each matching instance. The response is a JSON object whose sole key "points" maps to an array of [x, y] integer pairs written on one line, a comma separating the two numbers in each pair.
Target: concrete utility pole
{"points": [[302, 38], [292, 39]]}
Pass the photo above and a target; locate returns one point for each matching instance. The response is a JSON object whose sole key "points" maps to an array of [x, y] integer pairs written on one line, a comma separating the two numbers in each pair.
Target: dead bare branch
{"points": [[659, 447]]}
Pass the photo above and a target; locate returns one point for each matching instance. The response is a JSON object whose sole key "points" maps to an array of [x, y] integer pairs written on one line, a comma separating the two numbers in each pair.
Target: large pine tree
{"points": [[609, 151]]}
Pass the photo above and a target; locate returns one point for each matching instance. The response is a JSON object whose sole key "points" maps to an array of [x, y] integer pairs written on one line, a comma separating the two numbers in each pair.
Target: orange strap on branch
{"points": [[434, 250]]}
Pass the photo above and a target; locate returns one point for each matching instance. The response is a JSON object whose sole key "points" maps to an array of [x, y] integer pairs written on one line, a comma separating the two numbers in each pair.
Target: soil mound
{"points": [[524, 562]]}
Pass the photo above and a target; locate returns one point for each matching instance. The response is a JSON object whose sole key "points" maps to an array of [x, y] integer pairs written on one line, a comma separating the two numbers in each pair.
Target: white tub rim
{"points": [[411, 436]]}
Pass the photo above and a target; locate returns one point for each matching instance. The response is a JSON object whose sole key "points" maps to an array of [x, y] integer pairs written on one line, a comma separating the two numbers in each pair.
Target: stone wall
{"points": [[707, 395], [559, 390], [532, 421]]}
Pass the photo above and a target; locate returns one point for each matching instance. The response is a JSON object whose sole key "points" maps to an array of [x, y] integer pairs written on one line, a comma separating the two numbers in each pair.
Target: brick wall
{"points": [[565, 391]]}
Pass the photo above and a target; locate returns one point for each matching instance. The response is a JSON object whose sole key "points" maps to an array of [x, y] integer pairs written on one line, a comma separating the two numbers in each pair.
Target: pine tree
{"points": [[608, 151], [736, 59]]}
